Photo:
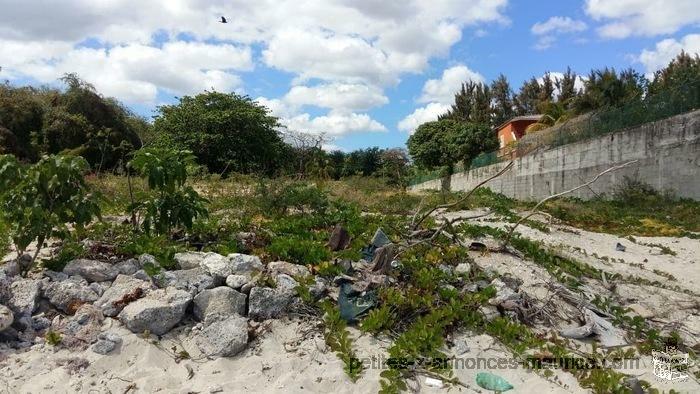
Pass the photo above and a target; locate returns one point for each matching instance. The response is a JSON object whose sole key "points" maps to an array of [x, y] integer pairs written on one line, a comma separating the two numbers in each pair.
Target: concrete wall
{"points": [[668, 154]]}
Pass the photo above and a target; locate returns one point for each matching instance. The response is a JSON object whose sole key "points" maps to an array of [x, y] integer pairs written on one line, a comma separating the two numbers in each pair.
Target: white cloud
{"points": [[339, 97], [333, 124], [443, 90], [624, 18], [556, 25], [421, 115], [666, 50]]}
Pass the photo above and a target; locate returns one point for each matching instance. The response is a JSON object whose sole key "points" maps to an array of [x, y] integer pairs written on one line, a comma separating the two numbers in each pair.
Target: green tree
{"points": [[566, 85], [171, 204], [528, 98], [681, 72], [394, 166], [442, 144], [472, 104], [502, 100], [605, 88], [225, 131], [42, 200]]}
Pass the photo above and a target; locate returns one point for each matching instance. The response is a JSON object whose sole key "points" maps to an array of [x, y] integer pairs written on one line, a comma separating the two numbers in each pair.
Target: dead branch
{"points": [[553, 196], [414, 224]]}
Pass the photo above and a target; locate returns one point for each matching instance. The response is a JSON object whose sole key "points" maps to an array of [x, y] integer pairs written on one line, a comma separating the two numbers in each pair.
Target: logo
{"points": [[670, 365]]}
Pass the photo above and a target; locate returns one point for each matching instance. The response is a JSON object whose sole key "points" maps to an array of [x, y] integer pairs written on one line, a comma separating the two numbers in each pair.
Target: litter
{"points": [[353, 304], [430, 382], [492, 382], [620, 247]]}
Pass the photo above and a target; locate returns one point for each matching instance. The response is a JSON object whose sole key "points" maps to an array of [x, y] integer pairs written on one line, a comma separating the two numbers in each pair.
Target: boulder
{"points": [[237, 281], [11, 268], [192, 280], [80, 330], [220, 300], [189, 260], [68, 295], [221, 267], [283, 267], [222, 336], [91, 270], [106, 343], [158, 312], [124, 290], [6, 317], [148, 260], [463, 268], [128, 267], [319, 288], [266, 303], [286, 282], [24, 296]]}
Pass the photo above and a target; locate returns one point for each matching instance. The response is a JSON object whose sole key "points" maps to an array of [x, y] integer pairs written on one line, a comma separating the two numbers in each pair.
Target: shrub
{"points": [[41, 200], [171, 204], [281, 196], [298, 250]]}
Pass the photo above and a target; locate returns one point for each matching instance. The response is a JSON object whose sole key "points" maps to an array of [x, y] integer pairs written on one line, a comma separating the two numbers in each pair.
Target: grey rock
{"points": [[24, 296], [11, 268], [217, 265], [463, 268], [69, 294], [245, 264], [283, 267], [40, 323], [117, 296], [266, 303], [319, 288], [99, 287], [218, 301], [6, 317], [141, 274], [237, 281], [221, 267], [189, 260], [55, 276], [222, 337], [128, 267], [193, 280], [147, 259], [91, 270], [158, 312], [106, 343], [81, 329], [286, 282]]}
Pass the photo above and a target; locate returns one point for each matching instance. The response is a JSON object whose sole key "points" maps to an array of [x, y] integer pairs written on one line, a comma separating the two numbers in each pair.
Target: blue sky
{"points": [[363, 72]]}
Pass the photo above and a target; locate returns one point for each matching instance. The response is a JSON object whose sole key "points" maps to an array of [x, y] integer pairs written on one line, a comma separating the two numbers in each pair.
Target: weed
{"points": [[298, 250], [338, 340], [53, 338]]}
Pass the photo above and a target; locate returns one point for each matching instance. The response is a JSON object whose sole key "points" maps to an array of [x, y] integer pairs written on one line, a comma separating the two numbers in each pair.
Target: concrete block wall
{"points": [[668, 154]]}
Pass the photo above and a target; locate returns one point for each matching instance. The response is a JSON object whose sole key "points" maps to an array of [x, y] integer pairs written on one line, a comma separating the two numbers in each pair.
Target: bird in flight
{"points": [[223, 20]]}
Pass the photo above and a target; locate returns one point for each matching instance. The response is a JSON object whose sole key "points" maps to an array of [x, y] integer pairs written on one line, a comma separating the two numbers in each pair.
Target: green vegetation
{"points": [[40, 201]]}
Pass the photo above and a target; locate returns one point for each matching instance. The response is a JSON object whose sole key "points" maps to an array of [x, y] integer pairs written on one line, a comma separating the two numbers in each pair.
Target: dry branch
{"points": [[553, 196], [414, 224]]}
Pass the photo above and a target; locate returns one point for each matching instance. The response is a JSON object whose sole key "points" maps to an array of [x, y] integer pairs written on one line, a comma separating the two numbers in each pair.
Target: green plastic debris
{"points": [[353, 304], [492, 382]]}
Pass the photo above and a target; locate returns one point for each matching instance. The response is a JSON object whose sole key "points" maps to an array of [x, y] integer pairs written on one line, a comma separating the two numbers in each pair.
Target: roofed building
{"points": [[513, 130]]}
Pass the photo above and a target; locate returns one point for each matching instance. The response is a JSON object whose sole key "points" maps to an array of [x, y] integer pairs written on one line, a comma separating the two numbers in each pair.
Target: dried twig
{"points": [[553, 196], [415, 224]]}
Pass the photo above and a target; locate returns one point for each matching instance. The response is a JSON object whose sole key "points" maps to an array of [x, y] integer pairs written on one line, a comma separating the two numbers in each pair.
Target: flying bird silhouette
{"points": [[223, 20]]}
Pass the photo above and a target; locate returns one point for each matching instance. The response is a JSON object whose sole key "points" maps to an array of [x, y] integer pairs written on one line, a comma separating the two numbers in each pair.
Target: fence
{"points": [[684, 97]]}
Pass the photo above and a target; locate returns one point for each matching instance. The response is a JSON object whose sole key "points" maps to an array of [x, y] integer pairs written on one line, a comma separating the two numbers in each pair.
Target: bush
{"points": [[171, 203], [281, 196], [298, 250], [41, 200]]}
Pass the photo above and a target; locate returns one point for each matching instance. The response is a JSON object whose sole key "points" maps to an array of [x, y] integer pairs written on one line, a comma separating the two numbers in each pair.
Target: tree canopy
{"points": [[226, 132]]}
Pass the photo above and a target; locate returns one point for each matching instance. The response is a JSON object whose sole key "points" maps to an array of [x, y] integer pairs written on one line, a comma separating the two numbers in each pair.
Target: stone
{"points": [[283, 267], [81, 329], [286, 282], [148, 260], [91, 270], [99, 287], [128, 267], [503, 292], [141, 274], [463, 268], [6, 317], [192, 280], [24, 296], [11, 268], [237, 281], [222, 337], [247, 240], [340, 238], [124, 290], [189, 260], [69, 295], [218, 301], [641, 310], [158, 312], [266, 303], [106, 343], [319, 288], [221, 267]]}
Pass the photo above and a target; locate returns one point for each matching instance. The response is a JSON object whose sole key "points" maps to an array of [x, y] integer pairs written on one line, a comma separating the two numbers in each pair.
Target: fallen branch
{"points": [[414, 224], [553, 196]]}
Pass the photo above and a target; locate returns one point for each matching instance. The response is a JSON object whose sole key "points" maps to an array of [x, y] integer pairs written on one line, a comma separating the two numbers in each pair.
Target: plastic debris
{"points": [[353, 304], [431, 382], [620, 247], [607, 334], [378, 240], [489, 381], [339, 239]]}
